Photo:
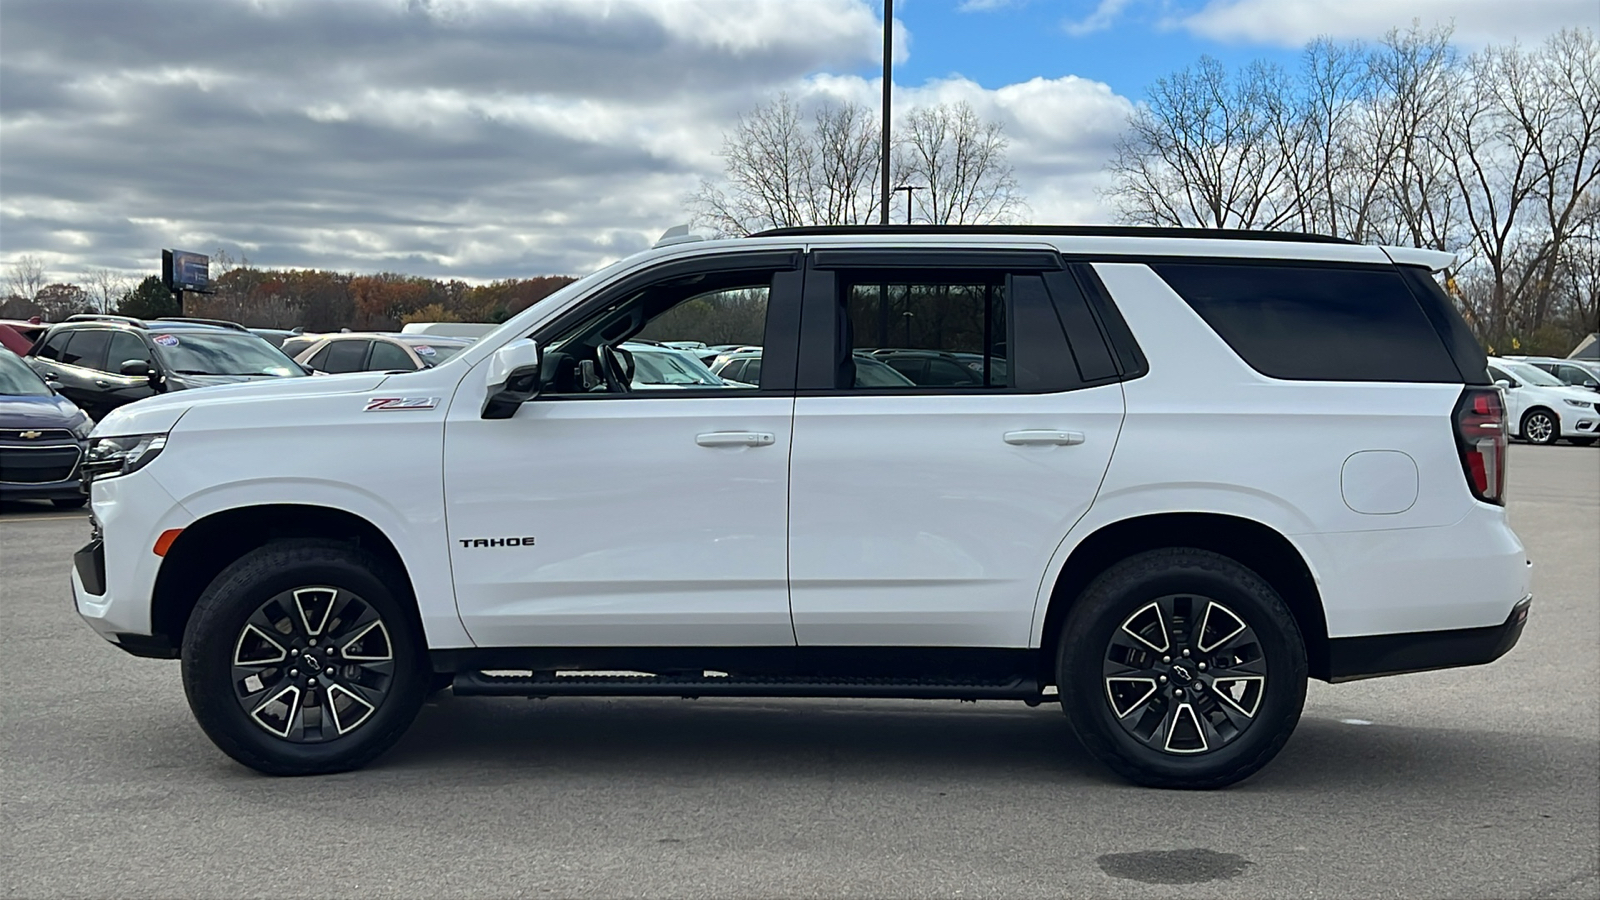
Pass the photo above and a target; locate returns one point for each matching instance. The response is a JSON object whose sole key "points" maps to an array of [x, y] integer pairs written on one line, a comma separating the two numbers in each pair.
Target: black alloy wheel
{"points": [[313, 664], [300, 658], [1540, 426], [1181, 668], [1185, 674]]}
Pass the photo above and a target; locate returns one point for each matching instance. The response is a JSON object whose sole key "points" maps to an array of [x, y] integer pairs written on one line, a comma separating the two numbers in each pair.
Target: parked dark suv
{"points": [[103, 362]]}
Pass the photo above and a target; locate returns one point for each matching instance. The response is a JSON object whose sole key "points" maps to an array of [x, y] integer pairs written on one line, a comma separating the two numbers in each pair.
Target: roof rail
{"points": [[1144, 231], [220, 323], [104, 317]]}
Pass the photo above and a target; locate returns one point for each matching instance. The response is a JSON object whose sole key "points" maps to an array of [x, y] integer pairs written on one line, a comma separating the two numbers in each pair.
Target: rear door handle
{"points": [[735, 439], [99, 383], [1059, 438]]}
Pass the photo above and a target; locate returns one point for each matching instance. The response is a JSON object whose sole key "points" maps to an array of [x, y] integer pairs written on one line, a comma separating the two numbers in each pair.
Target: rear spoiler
{"points": [[1432, 260]]}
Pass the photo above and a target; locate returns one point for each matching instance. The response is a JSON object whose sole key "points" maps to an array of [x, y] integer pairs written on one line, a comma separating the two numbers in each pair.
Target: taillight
{"points": [[1480, 420]]}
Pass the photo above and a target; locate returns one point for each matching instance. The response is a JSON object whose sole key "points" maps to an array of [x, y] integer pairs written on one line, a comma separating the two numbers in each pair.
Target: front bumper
{"points": [[17, 472], [113, 578], [1352, 658]]}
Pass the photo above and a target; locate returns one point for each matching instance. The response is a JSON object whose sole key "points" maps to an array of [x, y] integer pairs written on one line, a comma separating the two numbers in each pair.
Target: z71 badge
{"points": [[400, 403]]}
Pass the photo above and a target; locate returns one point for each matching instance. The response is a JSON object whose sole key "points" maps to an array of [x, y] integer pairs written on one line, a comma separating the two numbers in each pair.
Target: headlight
{"points": [[1581, 404], [113, 456]]}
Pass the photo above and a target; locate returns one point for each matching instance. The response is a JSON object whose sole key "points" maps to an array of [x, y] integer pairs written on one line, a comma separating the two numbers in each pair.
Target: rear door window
{"points": [[87, 349], [344, 356], [1316, 323], [54, 345], [387, 357]]}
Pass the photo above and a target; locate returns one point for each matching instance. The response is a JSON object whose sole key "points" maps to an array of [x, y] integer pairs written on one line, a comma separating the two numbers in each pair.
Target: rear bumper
{"points": [[1352, 658]]}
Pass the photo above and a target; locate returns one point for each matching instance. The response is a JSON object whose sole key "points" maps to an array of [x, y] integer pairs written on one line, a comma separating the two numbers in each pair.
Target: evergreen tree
{"points": [[149, 300]]}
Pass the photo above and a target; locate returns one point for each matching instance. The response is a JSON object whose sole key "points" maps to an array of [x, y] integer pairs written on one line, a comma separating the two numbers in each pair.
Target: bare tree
{"points": [[781, 169], [106, 287], [959, 163], [1415, 72], [26, 276], [780, 172], [1495, 157], [1207, 150], [1523, 143]]}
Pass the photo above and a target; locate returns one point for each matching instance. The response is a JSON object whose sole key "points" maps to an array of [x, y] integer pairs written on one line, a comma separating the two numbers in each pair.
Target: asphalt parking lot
{"points": [[1469, 783]]}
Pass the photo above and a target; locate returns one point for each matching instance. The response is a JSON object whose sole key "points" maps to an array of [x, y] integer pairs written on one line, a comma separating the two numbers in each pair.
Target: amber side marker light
{"points": [[164, 542]]}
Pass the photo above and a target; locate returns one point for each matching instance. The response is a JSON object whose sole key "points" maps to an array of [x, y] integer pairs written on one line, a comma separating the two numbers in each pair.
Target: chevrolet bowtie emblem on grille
{"points": [[29, 435]]}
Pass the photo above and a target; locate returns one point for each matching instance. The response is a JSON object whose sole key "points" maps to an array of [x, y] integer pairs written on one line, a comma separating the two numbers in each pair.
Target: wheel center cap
{"points": [[1182, 673], [310, 662]]}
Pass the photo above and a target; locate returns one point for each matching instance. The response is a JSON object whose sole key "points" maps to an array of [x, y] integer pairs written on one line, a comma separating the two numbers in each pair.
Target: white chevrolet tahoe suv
{"points": [[1167, 477]]}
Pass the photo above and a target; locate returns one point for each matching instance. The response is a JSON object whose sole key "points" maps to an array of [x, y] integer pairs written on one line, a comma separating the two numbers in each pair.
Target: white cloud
{"points": [[1061, 132], [987, 5], [454, 138], [1102, 18], [1477, 22]]}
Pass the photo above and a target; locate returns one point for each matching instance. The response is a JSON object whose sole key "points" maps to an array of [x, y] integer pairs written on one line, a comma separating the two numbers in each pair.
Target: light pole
{"points": [[908, 188], [888, 71]]}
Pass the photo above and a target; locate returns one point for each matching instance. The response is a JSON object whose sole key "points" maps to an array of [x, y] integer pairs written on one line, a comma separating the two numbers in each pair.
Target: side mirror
{"points": [[306, 369], [53, 385], [134, 368], [1592, 385], [512, 378], [1504, 384]]}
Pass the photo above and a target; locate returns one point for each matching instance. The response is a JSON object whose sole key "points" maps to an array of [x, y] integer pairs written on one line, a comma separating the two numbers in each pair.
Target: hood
{"points": [[52, 411], [196, 381], [154, 415]]}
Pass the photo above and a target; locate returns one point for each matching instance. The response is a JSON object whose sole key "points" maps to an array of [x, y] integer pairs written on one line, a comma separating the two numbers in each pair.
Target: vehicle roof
{"points": [[153, 325], [1138, 231], [428, 339], [1116, 240], [413, 338]]}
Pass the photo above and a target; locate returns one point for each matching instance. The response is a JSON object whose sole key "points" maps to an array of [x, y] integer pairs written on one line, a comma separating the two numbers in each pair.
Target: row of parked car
{"points": [[57, 380], [1550, 399]]}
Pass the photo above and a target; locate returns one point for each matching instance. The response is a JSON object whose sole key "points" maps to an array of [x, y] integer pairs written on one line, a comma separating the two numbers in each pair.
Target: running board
{"points": [[544, 684]]}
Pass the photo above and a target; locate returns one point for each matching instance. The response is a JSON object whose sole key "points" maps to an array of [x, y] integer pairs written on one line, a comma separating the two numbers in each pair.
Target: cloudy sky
{"points": [[486, 139]]}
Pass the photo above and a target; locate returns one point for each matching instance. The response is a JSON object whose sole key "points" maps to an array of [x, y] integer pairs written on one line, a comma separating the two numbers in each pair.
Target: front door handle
{"points": [[1059, 438], [101, 383], [735, 439]]}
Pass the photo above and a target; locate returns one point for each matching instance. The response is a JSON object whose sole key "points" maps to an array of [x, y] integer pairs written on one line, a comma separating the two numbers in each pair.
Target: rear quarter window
{"points": [[1316, 323]]}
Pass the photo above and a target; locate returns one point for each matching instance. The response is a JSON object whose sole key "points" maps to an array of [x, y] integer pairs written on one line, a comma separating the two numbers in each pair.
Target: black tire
{"points": [[1540, 426], [1192, 580], [213, 645], [69, 502]]}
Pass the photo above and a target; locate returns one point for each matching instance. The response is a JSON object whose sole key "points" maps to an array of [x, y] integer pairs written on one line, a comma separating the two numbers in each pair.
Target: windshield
{"points": [[1531, 374], [433, 354], [17, 380], [658, 367], [221, 353]]}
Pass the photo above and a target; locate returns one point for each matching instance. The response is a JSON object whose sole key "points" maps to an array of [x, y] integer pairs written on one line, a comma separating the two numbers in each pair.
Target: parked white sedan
{"points": [[1541, 408]]}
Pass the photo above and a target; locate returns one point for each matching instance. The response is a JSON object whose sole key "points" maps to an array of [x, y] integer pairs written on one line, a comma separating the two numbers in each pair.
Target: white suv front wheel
{"points": [[300, 660], [1181, 668]]}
